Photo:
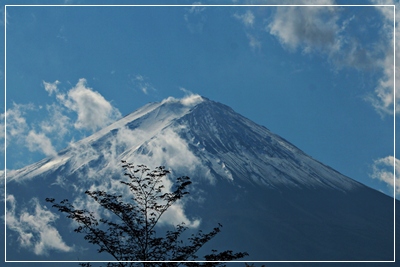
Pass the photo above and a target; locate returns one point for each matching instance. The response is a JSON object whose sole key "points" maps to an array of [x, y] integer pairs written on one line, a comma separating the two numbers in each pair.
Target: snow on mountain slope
{"points": [[127, 133], [238, 148], [194, 134]]}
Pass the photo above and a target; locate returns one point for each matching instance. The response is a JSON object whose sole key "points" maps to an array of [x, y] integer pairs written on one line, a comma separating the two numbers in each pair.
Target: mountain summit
{"points": [[275, 202], [213, 138]]}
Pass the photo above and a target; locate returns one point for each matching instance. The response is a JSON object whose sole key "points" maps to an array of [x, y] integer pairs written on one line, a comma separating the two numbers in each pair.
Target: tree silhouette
{"points": [[130, 235]]}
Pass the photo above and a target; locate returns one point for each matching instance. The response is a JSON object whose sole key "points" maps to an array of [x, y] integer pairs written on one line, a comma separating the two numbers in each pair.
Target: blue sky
{"points": [[320, 77]]}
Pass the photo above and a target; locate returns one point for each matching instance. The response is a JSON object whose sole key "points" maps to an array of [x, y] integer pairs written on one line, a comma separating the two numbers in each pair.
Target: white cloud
{"points": [[176, 215], [40, 142], [34, 230], [14, 123], [51, 87], [15, 119], [57, 124], [82, 154], [306, 27], [247, 18], [383, 170], [93, 110], [324, 29], [190, 99], [168, 149], [383, 100], [22, 133]]}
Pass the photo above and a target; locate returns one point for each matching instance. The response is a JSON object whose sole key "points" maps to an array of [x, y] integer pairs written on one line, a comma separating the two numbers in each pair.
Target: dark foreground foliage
{"points": [[131, 236]]}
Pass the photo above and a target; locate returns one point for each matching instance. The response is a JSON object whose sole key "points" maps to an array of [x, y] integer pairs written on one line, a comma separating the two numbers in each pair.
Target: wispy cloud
{"points": [[383, 98], [61, 34], [246, 18], [307, 28], [35, 230], [54, 130], [58, 124], [326, 30], [34, 136], [383, 170], [190, 99], [195, 18], [176, 215], [40, 142], [170, 150], [51, 87], [143, 84], [254, 42], [93, 110], [17, 125]]}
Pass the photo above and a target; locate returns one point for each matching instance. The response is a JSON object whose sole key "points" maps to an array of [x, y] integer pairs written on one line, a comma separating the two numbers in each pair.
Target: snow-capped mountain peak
{"points": [[189, 134]]}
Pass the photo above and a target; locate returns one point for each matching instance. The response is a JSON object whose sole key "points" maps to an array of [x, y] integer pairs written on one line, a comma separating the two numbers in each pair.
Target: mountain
{"points": [[274, 201]]}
